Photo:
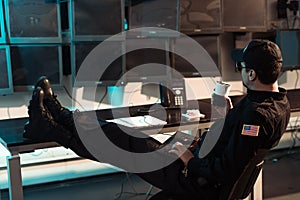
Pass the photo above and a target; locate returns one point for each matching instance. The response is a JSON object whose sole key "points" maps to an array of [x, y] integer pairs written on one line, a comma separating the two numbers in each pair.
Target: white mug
{"points": [[222, 89]]}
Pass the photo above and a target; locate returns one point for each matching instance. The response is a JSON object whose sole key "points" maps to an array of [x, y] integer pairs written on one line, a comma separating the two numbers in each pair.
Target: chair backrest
{"points": [[244, 184]]}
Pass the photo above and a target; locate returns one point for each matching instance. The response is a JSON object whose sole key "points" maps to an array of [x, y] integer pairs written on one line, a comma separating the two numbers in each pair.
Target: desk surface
{"points": [[11, 130]]}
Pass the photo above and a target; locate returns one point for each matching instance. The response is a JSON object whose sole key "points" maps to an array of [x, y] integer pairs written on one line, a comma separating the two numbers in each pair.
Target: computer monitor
{"points": [[200, 16], [33, 21], [96, 19], [207, 66], [154, 13], [289, 43], [113, 73], [245, 15], [5, 71], [147, 59], [2, 30], [29, 62]]}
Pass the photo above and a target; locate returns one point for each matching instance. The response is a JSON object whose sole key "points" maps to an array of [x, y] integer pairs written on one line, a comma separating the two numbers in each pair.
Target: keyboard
{"points": [[189, 141]]}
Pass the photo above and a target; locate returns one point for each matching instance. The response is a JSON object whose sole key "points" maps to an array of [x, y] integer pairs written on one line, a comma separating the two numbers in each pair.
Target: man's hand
{"points": [[222, 110], [182, 152]]}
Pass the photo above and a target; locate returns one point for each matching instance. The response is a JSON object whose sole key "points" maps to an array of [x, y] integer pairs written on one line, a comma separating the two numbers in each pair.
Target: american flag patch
{"points": [[250, 130]]}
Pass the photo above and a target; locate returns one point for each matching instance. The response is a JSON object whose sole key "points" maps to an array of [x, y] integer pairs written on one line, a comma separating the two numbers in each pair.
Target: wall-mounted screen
{"points": [[211, 44], [96, 19], [5, 71], [33, 20], [113, 74], [154, 13], [29, 62], [149, 61], [289, 43], [244, 15], [200, 16]]}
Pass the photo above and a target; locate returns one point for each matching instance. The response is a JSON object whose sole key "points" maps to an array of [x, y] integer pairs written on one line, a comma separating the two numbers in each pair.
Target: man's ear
{"points": [[252, 75]]}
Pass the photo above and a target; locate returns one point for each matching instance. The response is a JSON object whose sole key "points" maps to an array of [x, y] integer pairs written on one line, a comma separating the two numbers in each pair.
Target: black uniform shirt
{"points": [[256, 122]]}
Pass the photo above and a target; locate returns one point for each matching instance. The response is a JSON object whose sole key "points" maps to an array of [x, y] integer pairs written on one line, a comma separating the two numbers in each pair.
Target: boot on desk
{"points": [[42, 126], [60, 114]]}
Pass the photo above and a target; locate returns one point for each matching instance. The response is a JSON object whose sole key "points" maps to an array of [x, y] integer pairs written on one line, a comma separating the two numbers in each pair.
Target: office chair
{"points": [[241, 188]]}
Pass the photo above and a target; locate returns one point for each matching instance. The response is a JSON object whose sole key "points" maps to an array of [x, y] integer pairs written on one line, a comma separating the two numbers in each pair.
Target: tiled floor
{"points": [[281, 182], [282, 175], [119, 186]]}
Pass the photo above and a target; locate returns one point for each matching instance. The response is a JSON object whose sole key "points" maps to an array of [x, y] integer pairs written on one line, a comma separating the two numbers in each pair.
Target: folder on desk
{"points": [[138, 121]]}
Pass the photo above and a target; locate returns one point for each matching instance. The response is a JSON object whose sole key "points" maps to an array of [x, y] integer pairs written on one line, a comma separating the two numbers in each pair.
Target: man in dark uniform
{"points": [[251, 127]]}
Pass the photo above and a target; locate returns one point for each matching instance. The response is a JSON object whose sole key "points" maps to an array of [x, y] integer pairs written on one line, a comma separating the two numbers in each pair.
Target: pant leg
{"points": [[168, 178], [116, 136]]}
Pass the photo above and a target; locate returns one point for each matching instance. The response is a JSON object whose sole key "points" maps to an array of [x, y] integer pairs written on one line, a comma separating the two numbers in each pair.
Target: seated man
{"points": [[253, 126]]}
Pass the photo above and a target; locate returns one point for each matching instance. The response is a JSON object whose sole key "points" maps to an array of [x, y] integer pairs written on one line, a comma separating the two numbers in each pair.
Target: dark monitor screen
{"points": [[30, 62], [5, 71], [289, 43], [94, 17], [147, 63], [112, 75], [211, 44], [200, 15], [154, 13], [244, 15], [33, 18]]}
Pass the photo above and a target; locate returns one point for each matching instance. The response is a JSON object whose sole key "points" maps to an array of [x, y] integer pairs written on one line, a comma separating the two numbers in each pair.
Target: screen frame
{"points": [[286, 43], [254, 28], [155, 32], [2, 28], [9, 89], [153, 78], [203, 30], [123, 80], [218, 52], [91, 37], [58, 85], [37, 39]]}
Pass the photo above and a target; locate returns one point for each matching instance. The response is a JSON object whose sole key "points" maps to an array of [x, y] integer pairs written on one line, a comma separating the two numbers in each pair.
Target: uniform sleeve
{"points": [[242, 143]]}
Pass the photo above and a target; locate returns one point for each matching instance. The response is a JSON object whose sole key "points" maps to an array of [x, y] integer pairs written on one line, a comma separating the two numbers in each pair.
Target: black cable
{"points": [[134, 193], [102, 98], [118, 195], [70, 96], [297, 79]]}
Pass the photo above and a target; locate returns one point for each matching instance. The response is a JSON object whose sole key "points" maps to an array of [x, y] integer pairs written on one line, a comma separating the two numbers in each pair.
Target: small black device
{"points": [[173, 93]]}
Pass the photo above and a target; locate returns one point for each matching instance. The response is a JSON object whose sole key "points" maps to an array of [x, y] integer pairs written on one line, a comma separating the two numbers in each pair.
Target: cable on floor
{"points": [[134, 193]]}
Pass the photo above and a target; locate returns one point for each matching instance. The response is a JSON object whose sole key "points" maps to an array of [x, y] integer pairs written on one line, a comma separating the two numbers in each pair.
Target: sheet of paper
{"points": [[193, 114], [138, 121], [162, 137]]}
